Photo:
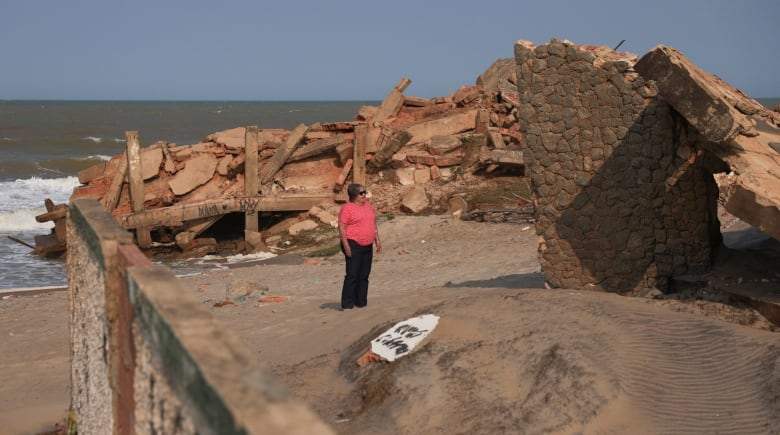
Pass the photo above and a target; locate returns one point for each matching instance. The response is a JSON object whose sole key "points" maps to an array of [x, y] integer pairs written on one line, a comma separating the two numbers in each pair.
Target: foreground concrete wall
{"points": [[93, 238], [623, 199], [146, 357]]}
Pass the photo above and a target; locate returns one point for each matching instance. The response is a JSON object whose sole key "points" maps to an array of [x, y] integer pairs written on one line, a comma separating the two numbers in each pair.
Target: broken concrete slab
{"points": [[198, 171], [735, 128], [424, 131], [415, 200], [151, 159], [305, 225]]}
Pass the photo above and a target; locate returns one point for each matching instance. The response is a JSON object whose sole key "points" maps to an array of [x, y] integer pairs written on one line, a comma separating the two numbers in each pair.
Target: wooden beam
{"points": [[112, 196], [170, 162], [390, 146], [473, 146], [359, 155], [417, 101], [392, 102], [502, 156], [135, 178], [496, 139], [343, 176], [317, 147], [251, 181], [179, 213], [282, 153], [482, 121]]}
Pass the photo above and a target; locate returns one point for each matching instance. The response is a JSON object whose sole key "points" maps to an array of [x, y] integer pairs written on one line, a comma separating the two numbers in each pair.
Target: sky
{"points": [[346, 49]]}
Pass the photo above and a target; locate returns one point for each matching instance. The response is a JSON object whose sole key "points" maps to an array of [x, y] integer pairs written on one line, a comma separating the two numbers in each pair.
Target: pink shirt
{"points": [[360, 221]]}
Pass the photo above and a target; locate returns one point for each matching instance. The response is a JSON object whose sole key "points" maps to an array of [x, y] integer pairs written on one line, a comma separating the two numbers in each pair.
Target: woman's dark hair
{"points": [[353, 190]]}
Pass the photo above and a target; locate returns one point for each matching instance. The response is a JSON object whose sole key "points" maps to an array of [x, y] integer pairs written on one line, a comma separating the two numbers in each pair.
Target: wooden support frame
{"points": [[359, 155], [136, 184], [251, 181]]}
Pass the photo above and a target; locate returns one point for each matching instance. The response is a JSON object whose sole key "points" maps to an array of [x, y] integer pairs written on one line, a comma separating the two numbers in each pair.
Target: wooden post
{"points": [[251, 180], [392, 142], [392, 102], [136, 184], [472, 149], [482, 121], [112, 196], [359, 155]]}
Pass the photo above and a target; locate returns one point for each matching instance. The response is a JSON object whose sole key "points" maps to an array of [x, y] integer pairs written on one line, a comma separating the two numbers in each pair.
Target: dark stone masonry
{"points": [[624, 198]]}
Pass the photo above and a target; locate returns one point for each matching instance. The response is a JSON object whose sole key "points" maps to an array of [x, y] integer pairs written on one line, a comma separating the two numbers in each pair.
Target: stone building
{"points": [[623, 187]]}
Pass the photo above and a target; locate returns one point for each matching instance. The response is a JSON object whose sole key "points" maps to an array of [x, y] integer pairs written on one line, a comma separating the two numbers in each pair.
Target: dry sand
{"points": [[508, 356]]}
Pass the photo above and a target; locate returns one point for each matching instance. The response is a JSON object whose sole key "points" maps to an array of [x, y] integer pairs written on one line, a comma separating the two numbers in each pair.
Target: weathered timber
{"points": [[170, 163], [394, 143], [502, 157], [317, 147], [20, 241], [482, 121], [466, 95], [342, 178], [359, 155], [417, 101], [282, 153], [496, 139], [338, 126], [392, 102], [57, 214], [136, 184], [345, 151], [472, 150], [514, 134], [423, 131], [112, 196], [49, 245], [217, 207], [251, 181], [441, 161]]}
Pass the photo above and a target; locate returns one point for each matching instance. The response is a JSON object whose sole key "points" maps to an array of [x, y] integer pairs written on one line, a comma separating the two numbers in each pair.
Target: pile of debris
{"points": [[170, 194]]}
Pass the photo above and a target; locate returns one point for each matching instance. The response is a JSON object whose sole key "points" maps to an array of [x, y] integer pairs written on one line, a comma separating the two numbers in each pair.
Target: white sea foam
{"points": [[238, 258], [22, 200], [101, 157], [93, 139]]}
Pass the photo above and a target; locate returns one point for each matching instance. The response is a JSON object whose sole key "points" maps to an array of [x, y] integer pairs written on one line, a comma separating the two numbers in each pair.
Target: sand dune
{"points": [[508, 356]]}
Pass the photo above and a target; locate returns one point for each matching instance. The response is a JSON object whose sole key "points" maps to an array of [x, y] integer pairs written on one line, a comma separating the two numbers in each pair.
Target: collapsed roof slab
{"points": [[735, 126]]}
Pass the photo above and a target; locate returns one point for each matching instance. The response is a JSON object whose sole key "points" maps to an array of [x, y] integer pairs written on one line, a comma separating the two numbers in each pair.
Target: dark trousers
{"points": [[354, 293]]}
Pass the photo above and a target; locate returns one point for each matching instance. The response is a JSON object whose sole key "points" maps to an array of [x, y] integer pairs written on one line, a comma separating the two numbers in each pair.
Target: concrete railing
{"points": [[147, 357]]}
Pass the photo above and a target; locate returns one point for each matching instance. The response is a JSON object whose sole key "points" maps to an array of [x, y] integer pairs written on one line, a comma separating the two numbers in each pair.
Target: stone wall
{"points": [[623, 198], [147, 357]]}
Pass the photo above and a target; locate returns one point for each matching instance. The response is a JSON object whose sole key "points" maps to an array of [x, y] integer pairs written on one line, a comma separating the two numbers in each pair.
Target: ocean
{"points": [[44, 144]]}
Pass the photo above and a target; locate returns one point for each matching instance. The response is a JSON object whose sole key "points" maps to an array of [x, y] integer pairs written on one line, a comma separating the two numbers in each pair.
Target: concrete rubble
{"points": [[408, 150], [406, 146]]}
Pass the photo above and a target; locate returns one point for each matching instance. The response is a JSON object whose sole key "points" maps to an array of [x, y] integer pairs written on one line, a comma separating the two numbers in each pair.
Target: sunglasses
{"points": [[362, 192]]}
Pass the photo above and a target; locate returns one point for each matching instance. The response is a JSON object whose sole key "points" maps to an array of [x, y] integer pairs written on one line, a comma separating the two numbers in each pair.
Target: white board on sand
{"points": [[404, 336]]}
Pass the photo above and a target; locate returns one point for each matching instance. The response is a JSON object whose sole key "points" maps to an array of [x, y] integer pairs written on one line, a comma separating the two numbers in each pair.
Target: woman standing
{"points": [[358, 231]]}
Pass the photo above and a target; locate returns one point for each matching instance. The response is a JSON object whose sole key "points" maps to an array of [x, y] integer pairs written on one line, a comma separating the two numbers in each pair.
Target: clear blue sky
{"points": [[346, 49]]}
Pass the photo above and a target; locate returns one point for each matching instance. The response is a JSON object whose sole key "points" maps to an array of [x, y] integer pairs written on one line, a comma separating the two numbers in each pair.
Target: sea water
{"points": [[44, 144]]}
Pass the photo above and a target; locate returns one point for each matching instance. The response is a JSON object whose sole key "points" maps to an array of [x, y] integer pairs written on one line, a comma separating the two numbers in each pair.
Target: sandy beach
{"points": [[508, 355]]}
